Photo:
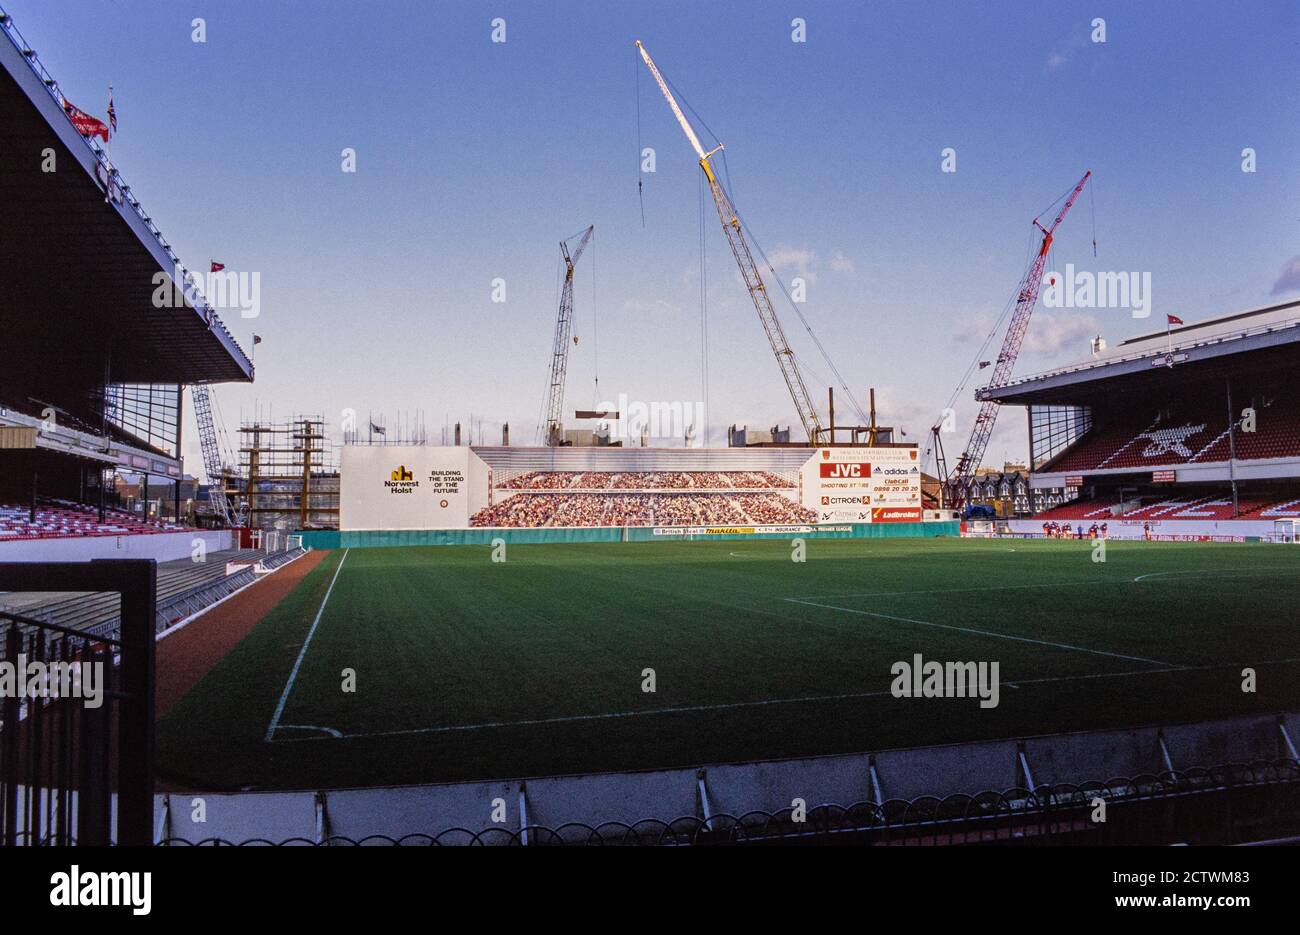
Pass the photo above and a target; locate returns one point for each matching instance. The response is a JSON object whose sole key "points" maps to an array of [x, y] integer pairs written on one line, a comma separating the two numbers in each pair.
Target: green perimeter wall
{"points": [[378, 538]]}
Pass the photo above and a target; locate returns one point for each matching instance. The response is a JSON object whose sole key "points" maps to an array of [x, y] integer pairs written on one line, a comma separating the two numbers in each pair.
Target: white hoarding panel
{"points": [[863, 485], [410, 487]]}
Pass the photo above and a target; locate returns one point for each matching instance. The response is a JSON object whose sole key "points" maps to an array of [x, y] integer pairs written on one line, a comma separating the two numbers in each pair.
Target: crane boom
{"points": [[731, 226], [211, 450], [560, 347], [1026, 299]]}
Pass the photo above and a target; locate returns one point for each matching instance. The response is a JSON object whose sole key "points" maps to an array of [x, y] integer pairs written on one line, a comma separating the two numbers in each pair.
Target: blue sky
{"points": [[475, 158]]}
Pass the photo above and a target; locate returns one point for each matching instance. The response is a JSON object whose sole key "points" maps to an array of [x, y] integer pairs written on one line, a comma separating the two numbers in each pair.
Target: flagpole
{"points": [[108, 146]]}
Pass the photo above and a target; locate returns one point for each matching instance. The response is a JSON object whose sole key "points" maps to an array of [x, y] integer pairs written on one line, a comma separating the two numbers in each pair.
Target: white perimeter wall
{"points": [[410, 487], [1133, 528], [163, 547]]}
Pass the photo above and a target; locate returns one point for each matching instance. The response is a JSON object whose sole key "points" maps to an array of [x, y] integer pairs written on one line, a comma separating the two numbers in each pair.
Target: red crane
{"points": [[1026, 299]]}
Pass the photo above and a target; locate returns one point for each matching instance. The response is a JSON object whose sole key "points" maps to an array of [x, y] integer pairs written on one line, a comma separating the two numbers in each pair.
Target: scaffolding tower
{"points": [[290, 475]]}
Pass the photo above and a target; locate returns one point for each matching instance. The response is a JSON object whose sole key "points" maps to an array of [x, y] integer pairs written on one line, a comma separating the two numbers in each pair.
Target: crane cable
{"points": [[728, 189], [595, 337], [1092, 201], [1006, 311], [704, 310], [640, 181], [807, 327], [541, 410], [980, 353]]}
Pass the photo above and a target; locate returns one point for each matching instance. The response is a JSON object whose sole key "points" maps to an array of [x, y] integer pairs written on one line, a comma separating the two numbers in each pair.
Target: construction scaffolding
{"points": [[290, 475]]}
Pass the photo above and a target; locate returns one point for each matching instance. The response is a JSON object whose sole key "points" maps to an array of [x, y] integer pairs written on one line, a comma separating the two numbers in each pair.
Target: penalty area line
{"points": [[302, 654], [990, 633], [695, 709]]}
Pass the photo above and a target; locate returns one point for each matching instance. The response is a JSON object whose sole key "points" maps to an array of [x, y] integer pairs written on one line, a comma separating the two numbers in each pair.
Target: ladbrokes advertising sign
{"points": [[863, 485]]}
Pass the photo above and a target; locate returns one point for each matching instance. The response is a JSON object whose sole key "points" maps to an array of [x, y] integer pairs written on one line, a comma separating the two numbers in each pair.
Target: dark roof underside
{"points": [[76, 291]]}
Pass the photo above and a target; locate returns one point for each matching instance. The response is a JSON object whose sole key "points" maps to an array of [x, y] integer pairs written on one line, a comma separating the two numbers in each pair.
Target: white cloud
{"points": [[1060, 333], [798, 261], [1289, 279], [1065, 50], [841, 264]]}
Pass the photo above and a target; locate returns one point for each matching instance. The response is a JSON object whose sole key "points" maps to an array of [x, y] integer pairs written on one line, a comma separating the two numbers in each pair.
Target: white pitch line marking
{"points": [[302, 653], [537, 722], [972, 630], [995, 587], [1244, 573], [324, 730]]}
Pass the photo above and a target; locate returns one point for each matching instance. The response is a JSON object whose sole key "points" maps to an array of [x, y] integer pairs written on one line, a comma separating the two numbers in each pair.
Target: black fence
{"points": [[76, 720], [1232, 804]]}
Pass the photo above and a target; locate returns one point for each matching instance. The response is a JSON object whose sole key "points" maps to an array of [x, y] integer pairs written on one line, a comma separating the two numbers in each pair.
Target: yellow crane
{"points": [[731, 226]]}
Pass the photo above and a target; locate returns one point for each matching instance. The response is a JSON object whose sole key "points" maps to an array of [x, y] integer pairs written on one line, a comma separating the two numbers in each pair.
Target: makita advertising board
{"points": [[862, 485]]}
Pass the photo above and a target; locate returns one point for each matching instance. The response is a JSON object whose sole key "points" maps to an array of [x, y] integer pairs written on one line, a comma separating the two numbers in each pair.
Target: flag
{"points": [[378, 430], [257, 339], [217, 267], [112, 114], [983, 364], [1174, 319], [86, 125]]}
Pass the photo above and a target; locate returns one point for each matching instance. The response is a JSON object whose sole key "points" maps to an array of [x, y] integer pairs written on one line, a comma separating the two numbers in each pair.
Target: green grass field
{"points": [[469, 669]]}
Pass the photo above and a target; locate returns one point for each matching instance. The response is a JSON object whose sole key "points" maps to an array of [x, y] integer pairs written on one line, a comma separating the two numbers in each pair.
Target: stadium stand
{"points": [[1189, 428], [1213, 506], [642, 509], [1196, 425], [91, 383], [648, 480], [62, 519], [184, 587]]}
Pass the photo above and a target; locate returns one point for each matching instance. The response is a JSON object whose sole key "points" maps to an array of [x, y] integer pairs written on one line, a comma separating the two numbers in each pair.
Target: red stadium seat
{"points": [[63, 519], [1192, 429]]}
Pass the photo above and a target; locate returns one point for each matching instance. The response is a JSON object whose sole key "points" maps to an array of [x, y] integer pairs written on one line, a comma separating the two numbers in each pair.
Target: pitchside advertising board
{"points": [[410, 487], [862, 485]]}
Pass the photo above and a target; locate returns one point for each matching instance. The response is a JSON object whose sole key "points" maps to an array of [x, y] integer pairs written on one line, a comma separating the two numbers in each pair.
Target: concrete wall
{"points": [[163, 546], [732, 789], [1166, 528], [484, 535]]}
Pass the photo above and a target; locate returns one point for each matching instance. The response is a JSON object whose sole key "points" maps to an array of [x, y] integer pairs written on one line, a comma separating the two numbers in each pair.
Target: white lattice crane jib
{"points": [[733, 229]]}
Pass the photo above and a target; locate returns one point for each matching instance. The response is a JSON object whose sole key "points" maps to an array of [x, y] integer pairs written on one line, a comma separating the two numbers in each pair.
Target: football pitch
{"points": [[462, 667]]}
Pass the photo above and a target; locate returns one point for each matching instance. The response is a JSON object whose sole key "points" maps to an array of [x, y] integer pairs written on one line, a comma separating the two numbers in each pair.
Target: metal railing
{"points": [[76, 716], [1229, 804]]}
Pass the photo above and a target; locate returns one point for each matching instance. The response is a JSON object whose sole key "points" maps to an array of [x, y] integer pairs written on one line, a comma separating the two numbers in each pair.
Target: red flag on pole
{"points": [[86, 125], [217, 267], [1174, 319]]}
